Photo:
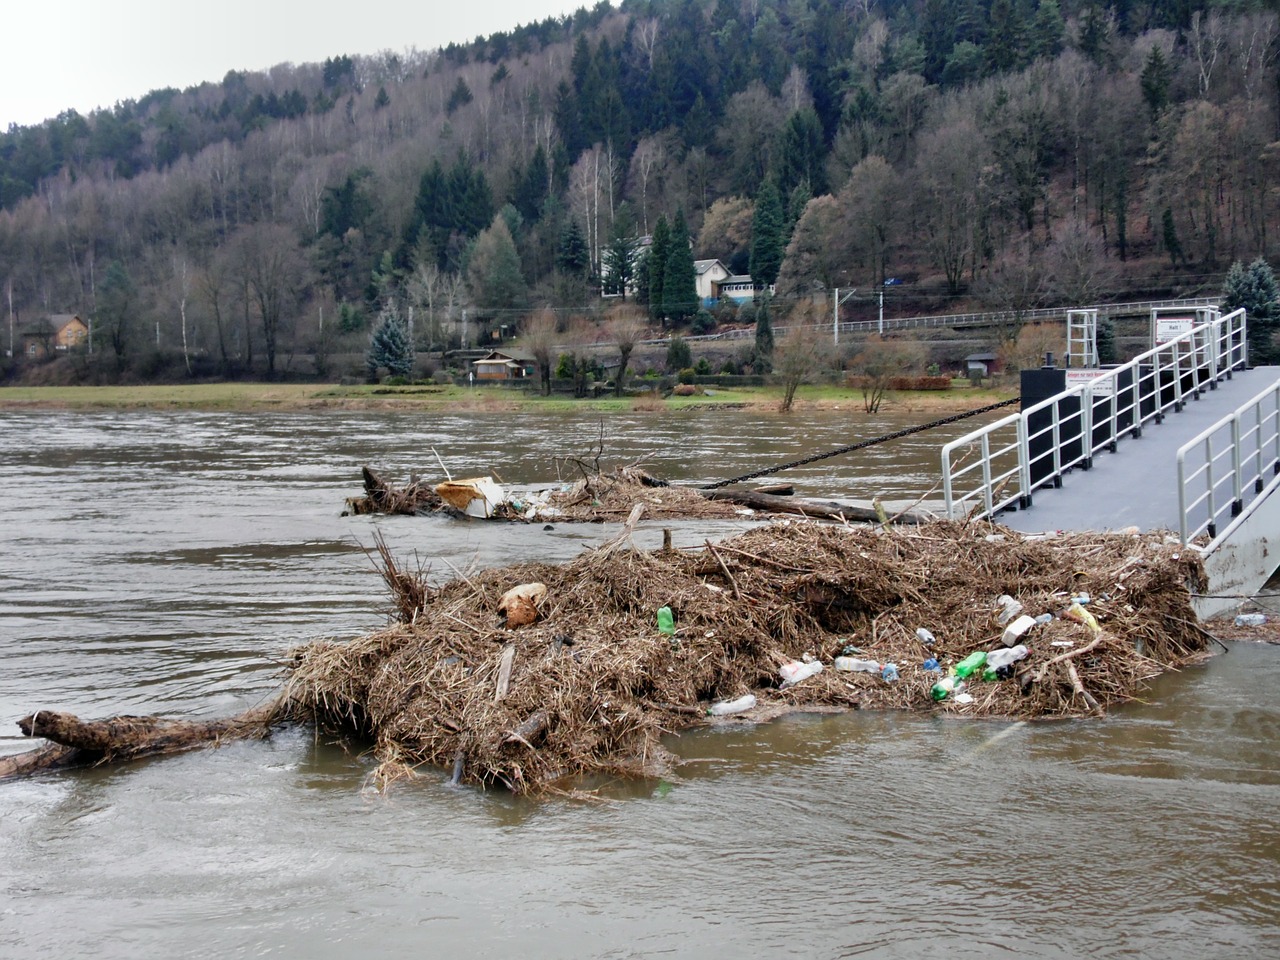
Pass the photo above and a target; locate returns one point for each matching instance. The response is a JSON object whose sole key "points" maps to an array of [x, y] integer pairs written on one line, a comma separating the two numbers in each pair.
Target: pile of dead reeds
{"points": [[592, 685]]}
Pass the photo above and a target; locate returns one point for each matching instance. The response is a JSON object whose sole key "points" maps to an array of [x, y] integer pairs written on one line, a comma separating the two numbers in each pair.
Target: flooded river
{"points": [[163, 562]]}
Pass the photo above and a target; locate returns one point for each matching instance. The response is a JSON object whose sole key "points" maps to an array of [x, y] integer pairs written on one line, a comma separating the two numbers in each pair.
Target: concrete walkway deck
{"points": [[1138, 484]]}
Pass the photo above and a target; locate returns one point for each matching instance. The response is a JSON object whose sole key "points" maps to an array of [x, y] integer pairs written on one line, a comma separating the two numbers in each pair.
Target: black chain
{"points": [[861, 444]]}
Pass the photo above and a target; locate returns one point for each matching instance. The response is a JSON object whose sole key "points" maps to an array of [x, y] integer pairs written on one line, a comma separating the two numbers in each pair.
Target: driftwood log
{"points": [[826, 509], [77, 742]]}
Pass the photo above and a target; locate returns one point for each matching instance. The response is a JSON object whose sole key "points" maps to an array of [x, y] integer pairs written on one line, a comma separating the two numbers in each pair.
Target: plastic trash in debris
{"points": [[1014, 631], [970, 664], [1080, 615], [1009, 608], [889, 673], [666, 622], [1081, 598], [850, 649], [945, 687], [724, 708], [857, 665], [925, 637], [931, 665], [1251, 619], [793, 671], [1000, 662], [1044, 618], [476, 497], [964, 698]]}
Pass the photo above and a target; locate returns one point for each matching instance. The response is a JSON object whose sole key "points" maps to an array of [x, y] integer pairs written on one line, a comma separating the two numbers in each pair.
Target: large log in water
{"points": [[826, 509], [84, 742]]}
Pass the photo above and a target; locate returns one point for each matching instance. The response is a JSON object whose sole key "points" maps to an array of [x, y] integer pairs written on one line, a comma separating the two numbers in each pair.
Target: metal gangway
{"points": [[1000, 466], [1204, 469]]}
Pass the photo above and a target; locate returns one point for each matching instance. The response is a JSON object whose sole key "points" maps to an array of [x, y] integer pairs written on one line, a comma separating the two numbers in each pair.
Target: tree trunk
{"points": [[80, 742], [826, 509]]}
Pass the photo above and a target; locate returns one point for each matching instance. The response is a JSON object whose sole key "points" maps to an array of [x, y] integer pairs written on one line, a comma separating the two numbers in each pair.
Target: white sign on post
{"points": [[1103, 388], [1170, 328]]}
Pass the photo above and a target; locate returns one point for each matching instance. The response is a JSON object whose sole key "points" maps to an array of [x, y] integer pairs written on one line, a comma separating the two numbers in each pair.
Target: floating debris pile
{"points": [[592, 683]]}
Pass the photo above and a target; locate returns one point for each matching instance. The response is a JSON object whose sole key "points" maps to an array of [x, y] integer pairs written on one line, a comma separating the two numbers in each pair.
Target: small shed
{"points": [[982, 364], [497, 365]]}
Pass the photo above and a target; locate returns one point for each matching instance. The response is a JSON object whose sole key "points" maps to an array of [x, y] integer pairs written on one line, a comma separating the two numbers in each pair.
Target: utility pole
{"points": [[836, 300], [881, 324]]}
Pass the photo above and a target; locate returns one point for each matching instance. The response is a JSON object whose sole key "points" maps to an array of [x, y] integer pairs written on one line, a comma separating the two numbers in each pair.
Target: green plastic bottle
{"points": [[946, 686], [971, 663], [666, 622]]}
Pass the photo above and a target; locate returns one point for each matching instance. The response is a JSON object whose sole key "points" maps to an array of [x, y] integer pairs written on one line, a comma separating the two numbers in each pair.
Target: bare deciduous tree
{"points": [[626, 327], [539, 338]]}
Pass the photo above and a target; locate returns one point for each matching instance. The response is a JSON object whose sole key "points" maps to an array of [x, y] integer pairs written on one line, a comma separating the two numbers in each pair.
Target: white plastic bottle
{"points": [[857, 664], [794, 671], [725, 707], [1005, 656]]}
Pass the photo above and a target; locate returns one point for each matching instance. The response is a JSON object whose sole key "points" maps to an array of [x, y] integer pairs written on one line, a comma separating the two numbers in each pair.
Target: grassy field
{"points": [[297, 396]]}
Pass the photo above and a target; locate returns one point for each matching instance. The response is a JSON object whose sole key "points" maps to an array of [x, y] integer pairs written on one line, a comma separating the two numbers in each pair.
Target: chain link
{"points": [[861, 444]]}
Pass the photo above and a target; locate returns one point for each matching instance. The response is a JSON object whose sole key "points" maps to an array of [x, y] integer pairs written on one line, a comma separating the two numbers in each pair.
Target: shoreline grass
{"points": [[251, 396]]}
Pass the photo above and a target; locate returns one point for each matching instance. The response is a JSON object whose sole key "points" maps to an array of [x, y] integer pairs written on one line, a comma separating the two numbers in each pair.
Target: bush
{"points": [[704, 322], [703, 367], [686, 375]]}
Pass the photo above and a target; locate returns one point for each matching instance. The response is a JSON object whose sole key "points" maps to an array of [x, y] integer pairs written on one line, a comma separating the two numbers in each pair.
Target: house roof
{"points": [[702, 266], [498, 356], [981, 357]]}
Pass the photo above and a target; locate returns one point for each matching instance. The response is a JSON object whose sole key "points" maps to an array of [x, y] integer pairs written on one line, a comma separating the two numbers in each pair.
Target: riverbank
{"points": [[250, 397]]}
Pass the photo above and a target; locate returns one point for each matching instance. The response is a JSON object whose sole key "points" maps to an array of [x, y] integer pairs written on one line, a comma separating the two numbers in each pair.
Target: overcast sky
{"points": [[84, 54]]}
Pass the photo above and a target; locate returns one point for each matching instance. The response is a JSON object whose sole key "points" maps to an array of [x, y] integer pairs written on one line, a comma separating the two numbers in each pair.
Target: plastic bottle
{"points": [[857, 664], [725, 707], [1000, 662], [999, 658], [925, 636], [1044, 618], [970, 664], [889, 673], [666, 622], [931, 665], [794, 671], [1251, 619], [946, 686]]}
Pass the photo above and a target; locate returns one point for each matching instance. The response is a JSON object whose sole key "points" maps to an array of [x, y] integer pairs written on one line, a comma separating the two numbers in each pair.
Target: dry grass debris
{"points": [[592, 685]]}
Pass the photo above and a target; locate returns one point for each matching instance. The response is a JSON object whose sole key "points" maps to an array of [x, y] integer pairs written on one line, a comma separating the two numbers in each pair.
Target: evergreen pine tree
{"points": [[390, 347], [1255, 288], [679, 283], [572, 256], [767, 242], [762, 354], [656, 266], [1156, 76], [619, 255]]}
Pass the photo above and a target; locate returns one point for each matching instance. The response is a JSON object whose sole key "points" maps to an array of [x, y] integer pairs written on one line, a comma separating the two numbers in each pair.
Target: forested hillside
{"points": [[1005, 152]]}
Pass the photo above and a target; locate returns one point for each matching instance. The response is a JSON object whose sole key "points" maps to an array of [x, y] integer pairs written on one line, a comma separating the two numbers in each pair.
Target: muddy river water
{"points": [[163, 562]]}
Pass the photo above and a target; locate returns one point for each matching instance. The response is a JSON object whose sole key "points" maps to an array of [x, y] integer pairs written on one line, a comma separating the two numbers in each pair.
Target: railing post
{"points": [[1182, 496], [1237, 492], [1024, 464], [1086, 425], [946, 483], [1208, 476], [986, 473]]}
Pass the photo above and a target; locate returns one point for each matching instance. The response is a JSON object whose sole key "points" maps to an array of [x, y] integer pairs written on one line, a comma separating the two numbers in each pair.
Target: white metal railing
{"points": [[1066, 430], [1239, 454]]}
